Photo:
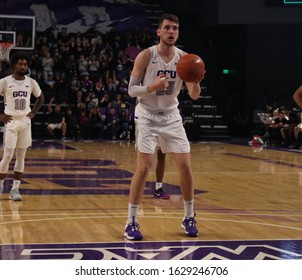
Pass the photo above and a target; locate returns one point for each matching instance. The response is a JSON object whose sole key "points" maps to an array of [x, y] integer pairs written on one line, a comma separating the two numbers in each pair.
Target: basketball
{"points": [[190, 68]]}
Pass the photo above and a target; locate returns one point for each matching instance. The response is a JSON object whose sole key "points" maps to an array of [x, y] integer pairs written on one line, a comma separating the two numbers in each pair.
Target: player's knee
{"points": [[144, 169], [20, 159], [6, 159]]}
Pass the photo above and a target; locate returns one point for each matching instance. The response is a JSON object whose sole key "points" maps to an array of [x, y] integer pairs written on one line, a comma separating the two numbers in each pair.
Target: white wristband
{"points": [[135, 89]]}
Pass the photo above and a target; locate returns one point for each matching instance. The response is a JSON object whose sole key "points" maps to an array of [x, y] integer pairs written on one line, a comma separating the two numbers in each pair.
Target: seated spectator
{"points": [[111, 83], [47, 64], [83, 123], [87, 84], [103, 125], [274, 129], [297, 135], [49, 88], [124, 120], [112, 122], [94, 124], [72, 125], [120, 73], [287, 131], [56, 121], [82, 66], [99, 87], [60, 66], [266, 120], [93, 66], [105, 100], [71, 66], [63, 39], [36, 63], [62, 95], [91, 101]]}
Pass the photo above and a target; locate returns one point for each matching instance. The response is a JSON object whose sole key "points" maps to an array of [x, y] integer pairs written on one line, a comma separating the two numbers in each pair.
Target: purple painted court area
{"points": [[83, 177], [184, 250]]}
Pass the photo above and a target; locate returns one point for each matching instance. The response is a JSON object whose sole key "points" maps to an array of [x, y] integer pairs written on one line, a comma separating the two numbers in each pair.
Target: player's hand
{"points": [[199, 81], [30, 115], [5, 118], [162, 82]]}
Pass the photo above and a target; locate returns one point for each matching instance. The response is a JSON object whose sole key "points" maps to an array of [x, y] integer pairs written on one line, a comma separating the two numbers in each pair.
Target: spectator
{"points": [[274, 129], [111, 83], [120, 73], [93, 66], [83, 123], [92, 101], [63, 39], [49, 88], [99, 87], [94, 123], [297, 135], [87, 84], [287, 131], [72, 126], [60, 66], [82, 66], [112, 123], [124, 120], [47, 64], [56, 121]]}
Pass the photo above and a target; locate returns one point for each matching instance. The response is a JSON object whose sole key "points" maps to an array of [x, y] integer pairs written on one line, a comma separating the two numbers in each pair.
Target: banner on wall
{"points": [[79, 16]]}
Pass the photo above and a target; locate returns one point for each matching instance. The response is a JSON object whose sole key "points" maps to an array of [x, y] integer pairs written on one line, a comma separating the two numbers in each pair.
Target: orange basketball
{"points": [[190, 68]]}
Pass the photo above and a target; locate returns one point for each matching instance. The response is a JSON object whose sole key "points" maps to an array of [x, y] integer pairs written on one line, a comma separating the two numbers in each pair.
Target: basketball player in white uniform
{"points": [[16, 90], [156, 85]]}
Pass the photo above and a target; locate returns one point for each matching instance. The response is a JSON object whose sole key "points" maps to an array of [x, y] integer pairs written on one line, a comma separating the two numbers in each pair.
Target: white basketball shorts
{"points": [[164, 130], [17, 133]]}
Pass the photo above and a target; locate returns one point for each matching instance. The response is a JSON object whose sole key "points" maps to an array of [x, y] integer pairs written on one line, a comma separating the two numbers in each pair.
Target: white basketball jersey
{"points": [[164, 100], [17, 95]]}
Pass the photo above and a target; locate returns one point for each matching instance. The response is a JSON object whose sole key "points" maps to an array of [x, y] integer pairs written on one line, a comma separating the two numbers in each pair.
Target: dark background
{"points": [[260, 40]]}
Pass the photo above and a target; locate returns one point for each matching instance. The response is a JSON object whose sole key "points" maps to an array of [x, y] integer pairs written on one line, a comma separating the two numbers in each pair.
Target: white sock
{"points": [[16, 184], [158, 185], [189, 212], [132, 213], [1, 183]]}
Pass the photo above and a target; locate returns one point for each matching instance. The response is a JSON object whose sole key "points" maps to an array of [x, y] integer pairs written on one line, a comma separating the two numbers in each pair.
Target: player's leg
{"points": [[18, 174], [143, 166], [183, 164], [160, 171], [178, 144], [4, 165], [23, 142], [146, 143], [10, 136]]}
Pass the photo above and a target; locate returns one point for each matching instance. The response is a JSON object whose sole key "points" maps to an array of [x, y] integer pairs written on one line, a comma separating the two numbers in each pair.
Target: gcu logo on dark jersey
{"points": [[170, 73], [20, 93]]}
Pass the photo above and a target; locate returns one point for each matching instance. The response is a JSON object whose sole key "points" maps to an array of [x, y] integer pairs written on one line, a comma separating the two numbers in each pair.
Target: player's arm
{"points": [[298, 96], [194, 89], [139, 68], [5, 118], [37, 106]]}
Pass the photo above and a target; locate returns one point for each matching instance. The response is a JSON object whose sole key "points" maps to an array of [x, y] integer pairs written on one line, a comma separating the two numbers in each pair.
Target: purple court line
{"points": [[266, 160]]}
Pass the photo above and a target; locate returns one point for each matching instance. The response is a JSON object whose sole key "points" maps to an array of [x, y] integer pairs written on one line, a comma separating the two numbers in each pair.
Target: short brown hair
{"points": [[169, 17]]}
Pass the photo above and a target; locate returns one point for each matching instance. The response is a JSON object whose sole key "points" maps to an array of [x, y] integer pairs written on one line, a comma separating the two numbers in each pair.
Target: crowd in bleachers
{"points": [[280, 127], [87, 76]]}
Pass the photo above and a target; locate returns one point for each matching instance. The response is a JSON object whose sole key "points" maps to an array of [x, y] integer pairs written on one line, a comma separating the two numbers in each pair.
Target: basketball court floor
{"points": [[75, 196]]}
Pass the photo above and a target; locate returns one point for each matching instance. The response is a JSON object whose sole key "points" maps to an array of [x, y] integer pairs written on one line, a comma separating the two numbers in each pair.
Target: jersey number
{"points": [[168, 90], [20, 104]]}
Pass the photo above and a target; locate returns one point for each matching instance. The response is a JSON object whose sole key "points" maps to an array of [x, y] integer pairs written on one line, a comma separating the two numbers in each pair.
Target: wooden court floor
{"points": [[75, 195]]}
